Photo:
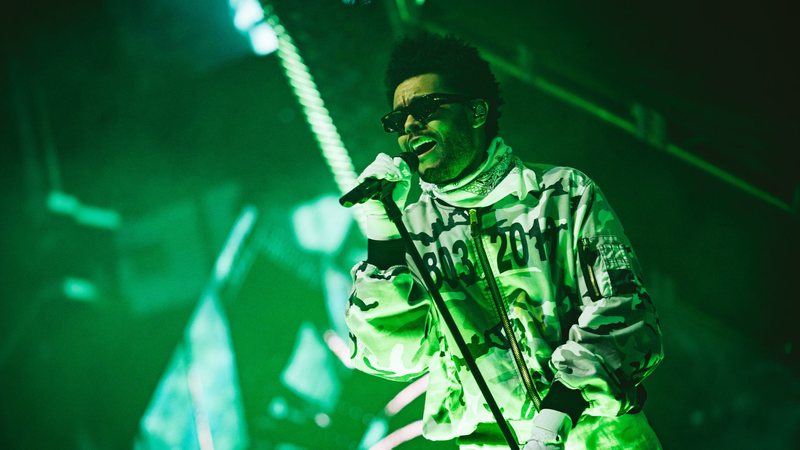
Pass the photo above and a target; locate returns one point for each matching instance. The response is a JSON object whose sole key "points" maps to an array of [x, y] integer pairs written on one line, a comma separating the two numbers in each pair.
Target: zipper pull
{"points": [[474, 227], [589, 276]]}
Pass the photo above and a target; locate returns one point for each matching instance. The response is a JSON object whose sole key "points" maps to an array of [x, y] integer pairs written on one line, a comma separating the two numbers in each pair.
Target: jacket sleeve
{"points": [[616, 341], [392, 333]]}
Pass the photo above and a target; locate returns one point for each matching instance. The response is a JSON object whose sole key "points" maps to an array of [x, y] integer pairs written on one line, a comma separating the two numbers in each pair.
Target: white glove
{"points": [[379, 227], [550, 431]]}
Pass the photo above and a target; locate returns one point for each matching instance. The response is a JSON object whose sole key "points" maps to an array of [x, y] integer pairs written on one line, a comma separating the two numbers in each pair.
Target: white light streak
{"points": [[244, 224], [406, 396], [397, 437], [338, 347]]}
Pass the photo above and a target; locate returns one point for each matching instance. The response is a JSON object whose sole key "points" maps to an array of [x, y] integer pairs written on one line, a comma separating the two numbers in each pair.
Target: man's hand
{"points": [[550, 431], [379, 227]]}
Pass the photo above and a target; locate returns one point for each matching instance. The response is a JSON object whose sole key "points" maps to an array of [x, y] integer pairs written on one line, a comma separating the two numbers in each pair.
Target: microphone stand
{"points": [[396, 216]]}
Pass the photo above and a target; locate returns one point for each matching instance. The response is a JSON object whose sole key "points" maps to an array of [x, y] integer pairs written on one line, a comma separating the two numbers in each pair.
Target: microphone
{"points": [[371, 187]]}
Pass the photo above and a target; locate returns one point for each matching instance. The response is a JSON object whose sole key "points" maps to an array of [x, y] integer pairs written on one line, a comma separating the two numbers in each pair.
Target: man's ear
{"points": [[480, 109]]}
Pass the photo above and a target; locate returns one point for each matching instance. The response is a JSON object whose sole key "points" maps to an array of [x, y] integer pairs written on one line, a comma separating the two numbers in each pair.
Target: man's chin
{"points": [[428, 172], [433, 175], [426, 177]]}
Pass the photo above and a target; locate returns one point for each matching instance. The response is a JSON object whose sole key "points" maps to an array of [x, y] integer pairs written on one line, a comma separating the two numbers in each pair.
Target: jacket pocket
{"points": [[609, 267]]}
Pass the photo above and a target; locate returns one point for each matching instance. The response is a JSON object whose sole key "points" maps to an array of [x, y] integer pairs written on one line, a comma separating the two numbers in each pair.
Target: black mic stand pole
{"points": [[397, 218]]}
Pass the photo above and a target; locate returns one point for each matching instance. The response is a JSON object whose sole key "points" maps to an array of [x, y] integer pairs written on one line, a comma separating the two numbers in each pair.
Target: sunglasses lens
{"points": [[421, 109], [394, 121]]}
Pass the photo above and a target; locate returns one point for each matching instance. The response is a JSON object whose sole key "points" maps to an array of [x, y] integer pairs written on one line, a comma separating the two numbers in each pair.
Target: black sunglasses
{"points": [[421, 108]]}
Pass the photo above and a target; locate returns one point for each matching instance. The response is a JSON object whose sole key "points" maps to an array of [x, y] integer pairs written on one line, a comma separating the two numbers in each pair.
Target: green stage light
{"points": [[64, 204], [197, 404], [311, 371], [247, 14], [79, 289], [248, 18], [98, 217], [263, 39]]}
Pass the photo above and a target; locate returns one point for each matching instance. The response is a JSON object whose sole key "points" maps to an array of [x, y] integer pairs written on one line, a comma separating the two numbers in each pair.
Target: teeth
{"points": [[419, 142]]}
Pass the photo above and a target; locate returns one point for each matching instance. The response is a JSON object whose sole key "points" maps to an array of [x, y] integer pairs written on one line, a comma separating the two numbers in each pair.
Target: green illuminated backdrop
{"points": [[135, 134]]}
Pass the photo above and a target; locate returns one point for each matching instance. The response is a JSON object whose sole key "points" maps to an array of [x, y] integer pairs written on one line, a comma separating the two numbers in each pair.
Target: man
{"points": [[530, 260]]}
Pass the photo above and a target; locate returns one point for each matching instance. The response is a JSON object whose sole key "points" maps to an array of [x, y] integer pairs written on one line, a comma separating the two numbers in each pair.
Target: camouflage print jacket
{"points": [[547, 262]]}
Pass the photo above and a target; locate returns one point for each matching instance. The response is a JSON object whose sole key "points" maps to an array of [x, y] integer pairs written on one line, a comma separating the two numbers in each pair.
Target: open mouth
{"points": [[423, 145]]}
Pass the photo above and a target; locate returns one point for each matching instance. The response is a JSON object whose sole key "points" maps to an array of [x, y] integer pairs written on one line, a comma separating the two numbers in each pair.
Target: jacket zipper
{"points": [[475, 231], [591, 281]]}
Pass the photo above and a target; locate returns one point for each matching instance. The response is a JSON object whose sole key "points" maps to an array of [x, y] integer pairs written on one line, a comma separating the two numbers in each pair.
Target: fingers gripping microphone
{"points": [[371, 187]]}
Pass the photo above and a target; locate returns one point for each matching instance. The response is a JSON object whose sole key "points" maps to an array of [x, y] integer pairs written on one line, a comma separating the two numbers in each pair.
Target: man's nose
{"points": [[412, 124]]}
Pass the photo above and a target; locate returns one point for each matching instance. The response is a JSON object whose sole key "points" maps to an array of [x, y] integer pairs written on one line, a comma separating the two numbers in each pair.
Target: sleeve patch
{"points": [[609, 267]]}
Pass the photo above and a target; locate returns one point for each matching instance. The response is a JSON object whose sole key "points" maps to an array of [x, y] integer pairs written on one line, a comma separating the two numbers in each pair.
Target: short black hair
{"points": [[457, 62]]}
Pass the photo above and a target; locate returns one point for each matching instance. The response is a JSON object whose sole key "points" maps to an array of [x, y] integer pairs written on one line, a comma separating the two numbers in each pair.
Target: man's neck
{"points": [[476, 162]]}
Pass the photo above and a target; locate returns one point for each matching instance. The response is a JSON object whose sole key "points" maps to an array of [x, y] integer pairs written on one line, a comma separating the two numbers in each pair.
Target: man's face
{"points": [[456, 143]]}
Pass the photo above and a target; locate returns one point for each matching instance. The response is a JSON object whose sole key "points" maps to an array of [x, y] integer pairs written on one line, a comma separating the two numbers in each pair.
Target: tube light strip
{"points": [[317, 115]]}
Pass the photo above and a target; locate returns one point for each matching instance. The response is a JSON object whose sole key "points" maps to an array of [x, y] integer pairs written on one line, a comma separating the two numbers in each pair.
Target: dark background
{"points": [[159, 110]]}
